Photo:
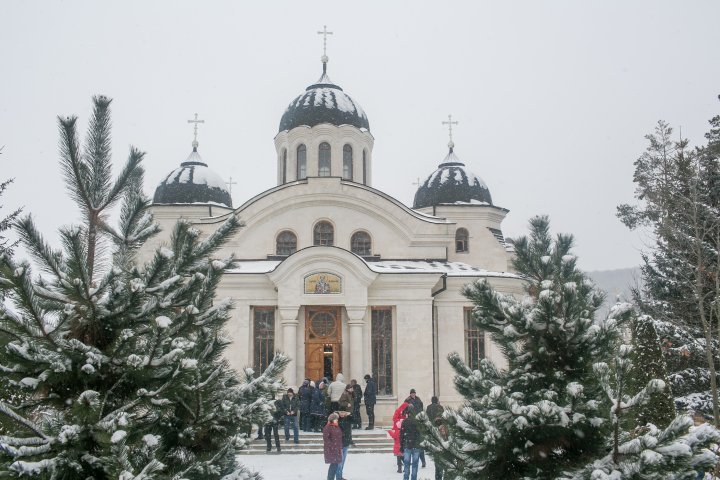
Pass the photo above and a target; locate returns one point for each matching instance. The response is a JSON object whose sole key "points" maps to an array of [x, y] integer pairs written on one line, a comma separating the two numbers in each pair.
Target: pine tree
{"points": [[678, 193], [546, 412], [122, 362], [6, 222], [648, 365]]}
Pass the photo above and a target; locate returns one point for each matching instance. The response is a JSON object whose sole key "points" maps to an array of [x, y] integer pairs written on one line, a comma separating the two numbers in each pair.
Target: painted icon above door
{"points": [[323, 283]]}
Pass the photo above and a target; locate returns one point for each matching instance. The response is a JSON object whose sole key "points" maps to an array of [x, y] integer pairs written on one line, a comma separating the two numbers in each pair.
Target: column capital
{"points": [[288, 315], [356, 314]]}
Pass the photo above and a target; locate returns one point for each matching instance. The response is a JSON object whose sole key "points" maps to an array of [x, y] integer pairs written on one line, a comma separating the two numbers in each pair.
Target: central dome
{"points": [[323, 102]]}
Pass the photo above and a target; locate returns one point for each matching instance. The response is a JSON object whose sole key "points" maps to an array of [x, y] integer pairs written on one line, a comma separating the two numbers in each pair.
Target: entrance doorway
{"points": [[323, 342]]}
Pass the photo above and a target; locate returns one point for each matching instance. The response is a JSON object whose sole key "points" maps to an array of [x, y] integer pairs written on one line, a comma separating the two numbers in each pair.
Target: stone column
{"points": [[289, 322], [356, 322]]}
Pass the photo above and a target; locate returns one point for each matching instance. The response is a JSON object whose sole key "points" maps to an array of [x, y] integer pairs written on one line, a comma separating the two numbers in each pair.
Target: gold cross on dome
{"points": [[324, 33], [450, 123], [195, 121]]}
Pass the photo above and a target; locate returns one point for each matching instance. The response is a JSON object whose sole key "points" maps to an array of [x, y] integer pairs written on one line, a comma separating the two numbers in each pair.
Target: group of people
{"points": [[311, 407], [407, 449]]}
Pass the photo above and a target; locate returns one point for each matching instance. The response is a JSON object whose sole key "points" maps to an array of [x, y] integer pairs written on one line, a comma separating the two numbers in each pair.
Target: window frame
{"points": [[474, 340], [265, 337], [369, 241], [315, 233], [301, 169], [277, 243], [459, 233], [347, 162], [324, 160], [284, 166], [383, 338]]}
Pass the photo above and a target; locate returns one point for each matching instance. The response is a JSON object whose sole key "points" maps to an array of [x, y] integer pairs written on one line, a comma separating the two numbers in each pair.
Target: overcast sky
{"points": [[553, 98]]}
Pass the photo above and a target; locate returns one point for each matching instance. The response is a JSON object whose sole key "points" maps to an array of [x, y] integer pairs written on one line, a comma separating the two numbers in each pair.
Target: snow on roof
{"points": [[451, 269]]}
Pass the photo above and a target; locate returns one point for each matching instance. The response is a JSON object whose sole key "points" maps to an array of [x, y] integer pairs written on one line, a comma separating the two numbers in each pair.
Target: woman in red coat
{"points": [[394, 432], [332, 445]]}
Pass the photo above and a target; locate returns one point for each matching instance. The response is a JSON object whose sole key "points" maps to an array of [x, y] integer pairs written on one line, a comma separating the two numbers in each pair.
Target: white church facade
{"points": [[343, 277]]}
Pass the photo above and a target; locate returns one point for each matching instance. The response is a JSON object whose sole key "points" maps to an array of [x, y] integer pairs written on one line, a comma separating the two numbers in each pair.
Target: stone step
{"points": [[365, 441]]}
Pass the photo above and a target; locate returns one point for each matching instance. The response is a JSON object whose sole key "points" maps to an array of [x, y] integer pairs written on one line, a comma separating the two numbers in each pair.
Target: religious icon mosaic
{"points": [[323, 283]]}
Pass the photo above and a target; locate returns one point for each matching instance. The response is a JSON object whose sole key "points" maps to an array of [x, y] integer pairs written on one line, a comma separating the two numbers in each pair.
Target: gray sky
{"points": [[553, 98]]}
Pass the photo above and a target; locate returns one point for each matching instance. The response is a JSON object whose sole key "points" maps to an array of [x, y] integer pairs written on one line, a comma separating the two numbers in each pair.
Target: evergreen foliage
{"points": [[6, 222], [648, 365], [547, 411], [678, 194], [122, 363]]}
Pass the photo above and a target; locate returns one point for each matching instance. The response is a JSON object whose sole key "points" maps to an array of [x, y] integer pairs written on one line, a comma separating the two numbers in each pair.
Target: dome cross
{"points": [[195, 121], [324, 33], [450, 123]]}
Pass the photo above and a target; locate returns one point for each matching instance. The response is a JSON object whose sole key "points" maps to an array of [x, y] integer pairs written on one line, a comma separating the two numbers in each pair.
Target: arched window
{"points": [[301, 162], [347, 163], [461, 240], [286, 243], [284, 166], [323, 234], [324, 160], [361, 244], [364, 167]]}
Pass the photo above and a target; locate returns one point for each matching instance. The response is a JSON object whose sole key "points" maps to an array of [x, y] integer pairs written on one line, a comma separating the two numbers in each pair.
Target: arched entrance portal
{"points": [[323, 342]]}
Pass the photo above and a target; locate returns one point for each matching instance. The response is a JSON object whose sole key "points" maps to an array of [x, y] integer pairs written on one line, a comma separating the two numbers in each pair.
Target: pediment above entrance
{"points": [[322, 275]]}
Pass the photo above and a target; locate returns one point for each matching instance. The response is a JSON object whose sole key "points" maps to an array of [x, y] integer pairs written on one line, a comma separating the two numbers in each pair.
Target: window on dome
{"points": [[347, 163], [461, 240], [323, 234], [324, 160], [284, 166], [301, 162], [364, 167], [474, 341], [263, 338], [361, 244], [286, 243]]}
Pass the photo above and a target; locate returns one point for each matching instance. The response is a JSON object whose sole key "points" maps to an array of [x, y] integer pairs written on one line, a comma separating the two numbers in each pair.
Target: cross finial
{"points": [[417, 183], [324, 58], [230, 183], [195, 121], [450, 123]]}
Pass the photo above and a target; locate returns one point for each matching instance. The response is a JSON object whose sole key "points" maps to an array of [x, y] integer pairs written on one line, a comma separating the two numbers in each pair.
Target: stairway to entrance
{"points": [[365, 441]]}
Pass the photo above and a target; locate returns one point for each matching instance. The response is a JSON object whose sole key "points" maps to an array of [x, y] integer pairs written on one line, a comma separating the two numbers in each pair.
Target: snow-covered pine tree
{"points": [[648, 364], [6, 222], [678, 197], [678, 451], [547, 411], [122, 363]]}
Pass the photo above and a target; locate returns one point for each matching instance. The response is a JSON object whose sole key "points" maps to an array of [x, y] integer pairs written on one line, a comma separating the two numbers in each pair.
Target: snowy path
{"points": [[359, 466]]}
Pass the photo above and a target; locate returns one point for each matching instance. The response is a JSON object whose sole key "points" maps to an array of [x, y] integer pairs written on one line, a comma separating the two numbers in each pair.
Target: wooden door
{"points": [[323, 342]]}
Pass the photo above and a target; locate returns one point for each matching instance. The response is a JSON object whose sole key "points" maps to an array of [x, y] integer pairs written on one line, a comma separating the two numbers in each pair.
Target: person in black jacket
{"points": [[272, 426], [370, 397], [345, 424], [358, 394], [410, 443], [305, 392], [417, 404], [290, 409]]}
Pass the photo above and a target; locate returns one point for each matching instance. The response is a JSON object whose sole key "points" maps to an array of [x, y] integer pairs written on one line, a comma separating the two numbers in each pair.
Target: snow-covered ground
{"points": [[359, 466]]}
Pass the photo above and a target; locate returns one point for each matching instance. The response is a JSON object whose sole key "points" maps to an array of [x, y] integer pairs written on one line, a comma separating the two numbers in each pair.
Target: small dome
{"points": [[193, 182], [452, 183], [323, 102]]}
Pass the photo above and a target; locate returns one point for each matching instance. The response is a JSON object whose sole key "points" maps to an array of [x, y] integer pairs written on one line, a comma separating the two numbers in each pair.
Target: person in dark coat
{"points": [[417, 404], [272, 426], [290, 409], [370, 397], [410, 443], [317, 408], [434, 410], [305, 394], [357, 390], [346, 401], [444, 433], [345, 423], [332, 445]]}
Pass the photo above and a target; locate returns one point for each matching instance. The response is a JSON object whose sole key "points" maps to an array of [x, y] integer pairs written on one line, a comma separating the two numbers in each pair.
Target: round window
{"points": [[323, 324]]}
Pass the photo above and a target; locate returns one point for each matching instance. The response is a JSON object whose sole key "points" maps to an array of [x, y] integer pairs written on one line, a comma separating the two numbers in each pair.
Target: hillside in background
{"points": [[616, 283]]}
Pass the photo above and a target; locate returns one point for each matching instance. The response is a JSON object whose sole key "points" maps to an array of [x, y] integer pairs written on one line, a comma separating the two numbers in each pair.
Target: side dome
{"points": [[452, 183], [193, 182], [323, 102]]}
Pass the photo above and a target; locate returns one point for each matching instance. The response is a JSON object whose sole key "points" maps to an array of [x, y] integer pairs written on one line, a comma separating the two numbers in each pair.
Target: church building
{"points": [[343, 277]]}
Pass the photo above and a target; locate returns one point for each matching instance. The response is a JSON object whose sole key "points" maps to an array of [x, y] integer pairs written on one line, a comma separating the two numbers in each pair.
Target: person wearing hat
{"points": [[417, 404], [290, 407], [332, 445], [370, 397]]}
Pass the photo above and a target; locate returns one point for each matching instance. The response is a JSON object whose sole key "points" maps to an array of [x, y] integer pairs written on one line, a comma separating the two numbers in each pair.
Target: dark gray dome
{"points": [[193, 182], [452, 183], [323, 102]]}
